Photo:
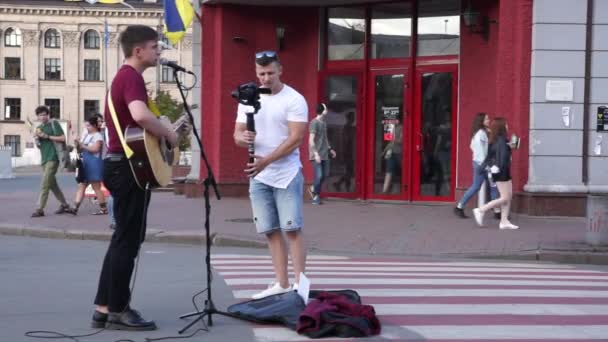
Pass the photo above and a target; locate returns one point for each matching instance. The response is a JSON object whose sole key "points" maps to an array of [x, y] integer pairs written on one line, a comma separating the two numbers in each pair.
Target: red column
{"points": [[513, 78]]}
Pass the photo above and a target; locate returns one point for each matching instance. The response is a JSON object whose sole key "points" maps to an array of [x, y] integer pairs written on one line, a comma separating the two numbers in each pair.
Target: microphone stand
{"points": [[209, 309]]}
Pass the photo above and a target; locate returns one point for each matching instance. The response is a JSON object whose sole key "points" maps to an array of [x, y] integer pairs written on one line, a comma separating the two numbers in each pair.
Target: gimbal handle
{"points": [[251, 128]]}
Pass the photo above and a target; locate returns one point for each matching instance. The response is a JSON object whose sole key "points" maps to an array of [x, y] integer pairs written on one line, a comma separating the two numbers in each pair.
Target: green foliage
{"points": [[170, 108]]}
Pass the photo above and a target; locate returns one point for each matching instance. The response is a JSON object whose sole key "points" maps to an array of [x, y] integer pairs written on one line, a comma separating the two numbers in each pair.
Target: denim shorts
{"points": [[275, 208]]}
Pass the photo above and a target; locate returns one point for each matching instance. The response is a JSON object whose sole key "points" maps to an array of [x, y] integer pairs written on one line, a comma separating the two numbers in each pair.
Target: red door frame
{"points": [[370, 120], [417, 131], [360, 123]]}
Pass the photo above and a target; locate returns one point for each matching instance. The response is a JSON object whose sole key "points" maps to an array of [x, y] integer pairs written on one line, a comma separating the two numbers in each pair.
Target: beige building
{"points": [[54, 53]]}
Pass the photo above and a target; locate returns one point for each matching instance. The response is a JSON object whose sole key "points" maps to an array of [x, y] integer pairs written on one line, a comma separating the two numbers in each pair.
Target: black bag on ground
{"points": [[281, 309]]}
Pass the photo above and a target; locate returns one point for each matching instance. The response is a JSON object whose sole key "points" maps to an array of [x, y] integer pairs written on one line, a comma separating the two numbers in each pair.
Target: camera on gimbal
{"points": [[249, 94]]}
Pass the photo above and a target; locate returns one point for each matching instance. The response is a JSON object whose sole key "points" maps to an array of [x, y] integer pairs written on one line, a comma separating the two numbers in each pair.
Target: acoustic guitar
{"points": [[153, 158]]}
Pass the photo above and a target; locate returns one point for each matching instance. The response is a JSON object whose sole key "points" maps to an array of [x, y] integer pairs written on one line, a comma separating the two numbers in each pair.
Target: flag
{"points": [[106, 34], [178, 17]]}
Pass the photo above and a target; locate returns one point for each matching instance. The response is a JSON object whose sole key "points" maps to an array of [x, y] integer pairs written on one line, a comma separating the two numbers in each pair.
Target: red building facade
{"points": [[410, 74]]}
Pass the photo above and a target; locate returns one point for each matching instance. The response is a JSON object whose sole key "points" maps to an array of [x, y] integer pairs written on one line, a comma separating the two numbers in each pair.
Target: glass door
{"points": [[342, 94], [435, 133], [387, 167]]}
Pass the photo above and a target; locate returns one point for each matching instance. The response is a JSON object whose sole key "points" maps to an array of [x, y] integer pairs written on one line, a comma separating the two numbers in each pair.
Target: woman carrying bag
{"points": [[90, 169], [498, 164], [479, 147]]}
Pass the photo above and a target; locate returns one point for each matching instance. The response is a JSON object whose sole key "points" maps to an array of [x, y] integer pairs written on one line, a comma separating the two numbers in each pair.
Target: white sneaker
{"points": [[478, 216], [273, 289], [507, 226]]}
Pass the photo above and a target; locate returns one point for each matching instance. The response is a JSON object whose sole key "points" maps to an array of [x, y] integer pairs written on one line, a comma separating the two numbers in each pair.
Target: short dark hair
{"points": [[93, 121], [321, 107], [42, 109], [136, 35]]}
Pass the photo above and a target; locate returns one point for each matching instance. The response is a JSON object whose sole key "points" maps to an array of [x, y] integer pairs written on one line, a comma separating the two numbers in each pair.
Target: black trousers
{"points": [[129, 205]]}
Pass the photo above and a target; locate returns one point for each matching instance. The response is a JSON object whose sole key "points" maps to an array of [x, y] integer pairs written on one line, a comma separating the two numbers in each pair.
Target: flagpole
{"points": [[106, 38]]}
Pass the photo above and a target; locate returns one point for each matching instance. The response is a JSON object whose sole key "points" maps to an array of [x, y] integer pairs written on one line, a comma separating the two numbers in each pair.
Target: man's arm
{"points": [[146, 119], [242, 137]]}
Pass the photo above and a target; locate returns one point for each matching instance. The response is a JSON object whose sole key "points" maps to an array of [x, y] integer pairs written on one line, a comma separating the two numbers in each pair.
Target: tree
{"points": [[173, 110]]}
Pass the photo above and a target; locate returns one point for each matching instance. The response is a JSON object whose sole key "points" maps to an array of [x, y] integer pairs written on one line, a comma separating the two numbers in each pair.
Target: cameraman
{"points": [[275, 177]]}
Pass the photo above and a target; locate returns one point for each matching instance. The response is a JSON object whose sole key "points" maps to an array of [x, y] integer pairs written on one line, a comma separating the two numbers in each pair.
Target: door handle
{"points": [[419, 145]]}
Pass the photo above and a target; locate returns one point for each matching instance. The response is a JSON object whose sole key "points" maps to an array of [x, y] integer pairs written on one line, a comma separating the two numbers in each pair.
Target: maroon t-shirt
{"points": [[128, 86]]}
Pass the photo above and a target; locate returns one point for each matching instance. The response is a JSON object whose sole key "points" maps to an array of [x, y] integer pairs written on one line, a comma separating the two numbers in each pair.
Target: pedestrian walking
{"points": [[479, 147], [319, 152], [90, 167], [498, 162], [47, 135]]}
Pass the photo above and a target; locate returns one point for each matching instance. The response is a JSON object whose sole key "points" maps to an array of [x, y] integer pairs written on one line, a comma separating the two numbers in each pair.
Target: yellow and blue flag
{"points": [[178, 17]]}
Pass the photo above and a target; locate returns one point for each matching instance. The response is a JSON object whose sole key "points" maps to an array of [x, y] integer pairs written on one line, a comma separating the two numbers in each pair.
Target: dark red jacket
{"points": [[334, 315]]}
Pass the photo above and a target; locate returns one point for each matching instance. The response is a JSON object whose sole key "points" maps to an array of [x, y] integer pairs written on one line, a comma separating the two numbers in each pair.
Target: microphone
{"points": [[175, 66]]}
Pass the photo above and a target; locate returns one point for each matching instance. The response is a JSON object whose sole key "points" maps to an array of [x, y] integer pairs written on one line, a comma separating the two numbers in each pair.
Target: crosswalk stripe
{"points": [[458, 301], [381, 263], [267, 257], [460, 332], [490, 309], [396, 292], [387, 281], [401, 269], [233, 274]]}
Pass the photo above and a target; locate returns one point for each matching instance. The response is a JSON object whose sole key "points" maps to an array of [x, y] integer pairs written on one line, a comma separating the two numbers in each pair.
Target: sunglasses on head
{"points": [[266, 54]]}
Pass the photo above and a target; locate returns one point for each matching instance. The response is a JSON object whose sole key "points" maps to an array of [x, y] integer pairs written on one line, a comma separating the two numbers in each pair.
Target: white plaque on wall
{"points": [[559, 91]]}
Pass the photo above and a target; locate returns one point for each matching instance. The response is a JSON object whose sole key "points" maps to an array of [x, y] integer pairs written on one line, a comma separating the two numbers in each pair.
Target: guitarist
{"points": [[130, 103]]}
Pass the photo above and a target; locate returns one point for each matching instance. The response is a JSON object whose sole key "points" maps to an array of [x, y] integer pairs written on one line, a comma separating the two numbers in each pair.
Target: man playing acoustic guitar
{"points": [[130, 106]]}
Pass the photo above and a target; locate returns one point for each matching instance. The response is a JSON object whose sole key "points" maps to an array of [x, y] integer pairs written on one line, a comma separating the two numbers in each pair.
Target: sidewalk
{"points": [[336, 226]]}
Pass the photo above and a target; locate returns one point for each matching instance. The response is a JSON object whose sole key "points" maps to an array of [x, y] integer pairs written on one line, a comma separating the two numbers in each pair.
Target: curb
{"points": [[155, 235]]}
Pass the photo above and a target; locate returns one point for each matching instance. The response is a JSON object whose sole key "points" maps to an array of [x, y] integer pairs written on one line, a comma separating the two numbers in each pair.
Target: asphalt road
{"points": [[50, 285]]}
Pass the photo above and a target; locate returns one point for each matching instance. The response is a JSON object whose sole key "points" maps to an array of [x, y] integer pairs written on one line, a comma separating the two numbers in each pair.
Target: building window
{"points": [[12, 68], [91, 39], [391, 29], [91, 107], [346, 33], [91, 70], [14, 141], [54, 106], [12, 37], [439, 28], [52, 39], [12, 109], [167, 75], [52, 69]]}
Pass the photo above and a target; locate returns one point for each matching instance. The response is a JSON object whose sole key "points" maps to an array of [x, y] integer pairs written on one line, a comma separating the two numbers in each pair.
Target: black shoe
{"points": [[497, 215], [99, 320], [128, 320], [64, 208], [38, 213], [459, 212]]}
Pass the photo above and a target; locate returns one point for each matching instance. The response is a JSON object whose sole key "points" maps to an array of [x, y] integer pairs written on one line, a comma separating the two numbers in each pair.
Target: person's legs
{"points": [[507, 189], [45, 185], [54, 186], [298, 253], [478, 179], [388, 178], [278, 253], [289, 206], [130, 203], [499, 201], [318, 170], [103, 209], [266, 219]]}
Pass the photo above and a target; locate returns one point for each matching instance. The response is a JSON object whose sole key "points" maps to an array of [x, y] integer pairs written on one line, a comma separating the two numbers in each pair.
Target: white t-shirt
{"points": [[272, 130], [91, 138], [479, 146]]}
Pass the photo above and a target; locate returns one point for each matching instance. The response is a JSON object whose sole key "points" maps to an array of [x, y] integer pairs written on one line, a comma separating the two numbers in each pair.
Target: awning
{"points": [[292, 2]]}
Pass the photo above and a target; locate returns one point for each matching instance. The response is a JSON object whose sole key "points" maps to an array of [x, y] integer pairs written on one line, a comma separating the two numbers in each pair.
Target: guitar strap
{"points": [[128, 151]]}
